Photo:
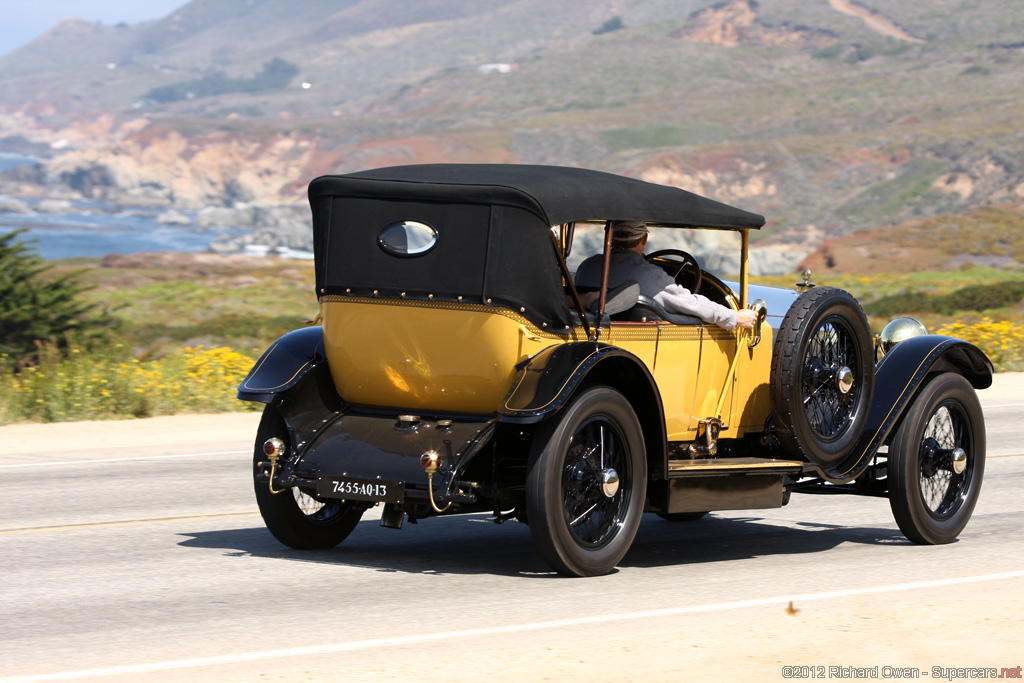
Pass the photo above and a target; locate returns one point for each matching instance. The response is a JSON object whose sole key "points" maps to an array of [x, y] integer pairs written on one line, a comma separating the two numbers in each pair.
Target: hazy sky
{"points": [[23, 20]]}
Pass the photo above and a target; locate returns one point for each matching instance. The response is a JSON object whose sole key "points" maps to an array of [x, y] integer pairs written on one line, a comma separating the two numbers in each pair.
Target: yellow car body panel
{"points": [[690, 364], [445, 357], [424, 356], [747, 397]]}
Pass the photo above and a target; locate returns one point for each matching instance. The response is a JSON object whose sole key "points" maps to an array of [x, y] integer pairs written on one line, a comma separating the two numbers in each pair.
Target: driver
{"points": [[627, 263]]}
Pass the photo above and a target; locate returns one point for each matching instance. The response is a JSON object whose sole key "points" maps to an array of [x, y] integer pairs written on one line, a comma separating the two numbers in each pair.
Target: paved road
{"points": [[153, 564]]}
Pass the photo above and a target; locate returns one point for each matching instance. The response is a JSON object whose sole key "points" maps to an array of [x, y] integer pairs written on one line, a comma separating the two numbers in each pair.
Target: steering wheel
{"points": [[686, 259]]}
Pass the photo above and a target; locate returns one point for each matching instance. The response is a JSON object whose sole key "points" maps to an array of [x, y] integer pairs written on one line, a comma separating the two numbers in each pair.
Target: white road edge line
{"points": [[1001, 405], [517, 628], [89, 462]]}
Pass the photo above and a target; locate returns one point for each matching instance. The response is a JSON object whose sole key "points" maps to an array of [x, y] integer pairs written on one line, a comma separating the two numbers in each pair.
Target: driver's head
{"points": [[628, 234]]}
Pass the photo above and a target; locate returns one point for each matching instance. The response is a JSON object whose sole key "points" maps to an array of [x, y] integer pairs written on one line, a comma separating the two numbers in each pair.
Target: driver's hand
{"points": [[746, 318]]}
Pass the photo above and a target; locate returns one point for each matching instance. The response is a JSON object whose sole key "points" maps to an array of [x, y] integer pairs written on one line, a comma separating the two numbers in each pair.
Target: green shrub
{"points": [[887, 48], [276, 74], [982, 297], [34, 307], [972, 298], [976, 70], [902, 304], [613, 24], [830, 52]]}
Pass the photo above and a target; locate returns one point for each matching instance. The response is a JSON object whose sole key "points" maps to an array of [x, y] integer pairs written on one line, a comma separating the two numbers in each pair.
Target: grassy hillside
{"points": [[789, 108]]}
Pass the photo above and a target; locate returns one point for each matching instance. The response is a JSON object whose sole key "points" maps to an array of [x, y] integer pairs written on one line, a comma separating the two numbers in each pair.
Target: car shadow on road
{"points": [[721, 539], [471, 544]]}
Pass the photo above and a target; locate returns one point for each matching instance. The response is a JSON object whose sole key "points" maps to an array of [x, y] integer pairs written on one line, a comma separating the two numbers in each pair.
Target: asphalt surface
{"points": [[150, 563]]}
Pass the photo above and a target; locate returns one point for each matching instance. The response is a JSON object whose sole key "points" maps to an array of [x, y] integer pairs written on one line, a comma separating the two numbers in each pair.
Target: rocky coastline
{"points": [[284, 229], [58, 187], [278, 228]]}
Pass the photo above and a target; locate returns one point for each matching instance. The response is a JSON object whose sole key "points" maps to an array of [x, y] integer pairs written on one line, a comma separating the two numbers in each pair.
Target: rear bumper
{"points": [[376, 447]]}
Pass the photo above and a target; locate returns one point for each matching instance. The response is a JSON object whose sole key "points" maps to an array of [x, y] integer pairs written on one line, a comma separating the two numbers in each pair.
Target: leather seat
{"points": [[619, 300]]}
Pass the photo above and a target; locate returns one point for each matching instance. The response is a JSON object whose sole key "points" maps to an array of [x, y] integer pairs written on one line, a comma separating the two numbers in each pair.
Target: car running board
{"points": [[704, 467]]}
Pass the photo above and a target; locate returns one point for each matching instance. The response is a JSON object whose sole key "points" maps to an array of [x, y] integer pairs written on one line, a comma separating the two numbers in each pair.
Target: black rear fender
{"points": [[284, 365], [546, 382]]}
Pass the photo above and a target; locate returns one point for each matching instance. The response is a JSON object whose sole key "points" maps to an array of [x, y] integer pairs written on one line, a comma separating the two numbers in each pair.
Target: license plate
{"points": [[352, 488]]}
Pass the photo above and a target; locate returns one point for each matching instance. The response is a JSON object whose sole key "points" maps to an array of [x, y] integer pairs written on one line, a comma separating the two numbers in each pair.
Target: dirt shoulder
{"points": [[217, 431]]}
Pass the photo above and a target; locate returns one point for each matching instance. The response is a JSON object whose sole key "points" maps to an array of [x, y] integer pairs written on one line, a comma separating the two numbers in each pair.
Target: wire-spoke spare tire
{"points": [[822, 376]]}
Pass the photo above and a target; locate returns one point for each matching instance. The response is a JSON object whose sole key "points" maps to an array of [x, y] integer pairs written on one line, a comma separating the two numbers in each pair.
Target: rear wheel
{"points": [[937, 460], [294, 516], [586, 483]]}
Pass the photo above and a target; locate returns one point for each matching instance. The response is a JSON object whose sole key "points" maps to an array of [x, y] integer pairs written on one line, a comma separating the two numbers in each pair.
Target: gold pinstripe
{"points": [[555, 394], [257, 369]]}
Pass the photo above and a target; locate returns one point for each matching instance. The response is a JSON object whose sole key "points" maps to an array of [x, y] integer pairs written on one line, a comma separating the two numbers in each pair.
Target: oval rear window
{"points": [[407, 238]]}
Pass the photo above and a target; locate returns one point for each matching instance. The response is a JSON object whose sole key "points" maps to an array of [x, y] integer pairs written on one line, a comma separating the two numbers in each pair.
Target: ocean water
{"points": [[58, 236], [92, 229], [11, 160]]}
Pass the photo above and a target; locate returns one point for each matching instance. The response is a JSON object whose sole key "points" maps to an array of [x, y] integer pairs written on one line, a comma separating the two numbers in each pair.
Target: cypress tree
{"points": [[34, 307]]}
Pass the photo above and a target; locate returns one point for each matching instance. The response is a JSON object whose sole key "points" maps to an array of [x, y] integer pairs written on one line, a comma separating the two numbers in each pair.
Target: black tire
{"points": [[294, 517], [578, 528], [823, 332], [930, 500], [682, 516]]}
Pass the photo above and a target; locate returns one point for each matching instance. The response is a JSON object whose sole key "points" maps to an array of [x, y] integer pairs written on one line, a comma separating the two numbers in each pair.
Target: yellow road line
{"points": [[140, 521], [1005, 455]]}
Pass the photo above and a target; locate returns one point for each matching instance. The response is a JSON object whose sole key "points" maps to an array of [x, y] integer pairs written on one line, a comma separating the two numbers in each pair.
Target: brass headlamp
{"points": [[898, 330]]}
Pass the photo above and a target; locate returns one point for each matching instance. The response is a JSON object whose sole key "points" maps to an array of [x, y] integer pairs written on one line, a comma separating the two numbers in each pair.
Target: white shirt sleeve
{"points": [[657, 284], [678, 299]]}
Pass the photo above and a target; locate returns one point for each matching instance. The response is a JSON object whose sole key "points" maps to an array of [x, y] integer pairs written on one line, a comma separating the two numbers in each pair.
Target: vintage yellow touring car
{"points": [[456, 369]]}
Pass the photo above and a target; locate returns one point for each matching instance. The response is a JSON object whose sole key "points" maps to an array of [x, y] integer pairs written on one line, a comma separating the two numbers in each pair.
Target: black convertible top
{"points": [[557, 194], [493, 244]]}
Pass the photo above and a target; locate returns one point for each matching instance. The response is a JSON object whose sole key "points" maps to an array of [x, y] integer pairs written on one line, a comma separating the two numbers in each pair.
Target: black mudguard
{"points": [[899, 375], [283, 365], [549, 379]]}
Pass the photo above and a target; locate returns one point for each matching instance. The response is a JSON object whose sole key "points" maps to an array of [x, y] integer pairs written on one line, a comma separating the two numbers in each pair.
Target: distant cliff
{"points": [[827, 117]]}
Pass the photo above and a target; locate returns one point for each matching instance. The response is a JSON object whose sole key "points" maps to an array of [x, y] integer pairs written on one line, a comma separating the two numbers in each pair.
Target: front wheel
{"points": [[586, 483], [293, 516], [937, 460]]}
